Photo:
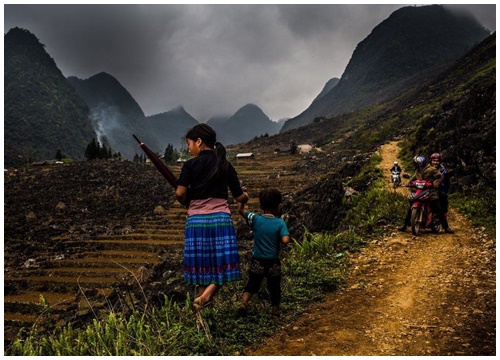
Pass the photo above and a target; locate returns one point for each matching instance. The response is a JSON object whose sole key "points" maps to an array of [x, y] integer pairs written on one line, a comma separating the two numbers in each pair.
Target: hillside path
{"points": [[428, 295]]}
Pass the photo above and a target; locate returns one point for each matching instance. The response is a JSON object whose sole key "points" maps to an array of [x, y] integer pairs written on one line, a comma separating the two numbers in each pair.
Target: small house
{"points": [[245, 156]]}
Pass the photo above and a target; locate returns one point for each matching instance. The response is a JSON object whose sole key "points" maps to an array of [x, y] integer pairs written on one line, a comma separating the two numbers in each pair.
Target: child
{"points": [[269, 232], [211, 255]]}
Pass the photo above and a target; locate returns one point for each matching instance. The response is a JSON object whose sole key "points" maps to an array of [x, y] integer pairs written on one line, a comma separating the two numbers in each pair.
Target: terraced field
{"points": [[78, 278]]}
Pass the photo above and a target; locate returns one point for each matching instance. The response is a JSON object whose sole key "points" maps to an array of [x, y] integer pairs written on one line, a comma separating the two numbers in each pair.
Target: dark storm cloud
{"points": [[212, 59]]}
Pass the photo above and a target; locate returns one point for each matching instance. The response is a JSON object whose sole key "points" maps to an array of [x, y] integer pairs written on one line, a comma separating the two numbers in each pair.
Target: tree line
{"points": [[96, 150]]}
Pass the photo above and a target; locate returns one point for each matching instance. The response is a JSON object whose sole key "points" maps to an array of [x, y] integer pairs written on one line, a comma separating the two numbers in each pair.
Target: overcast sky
{"points": [[211, 59]]}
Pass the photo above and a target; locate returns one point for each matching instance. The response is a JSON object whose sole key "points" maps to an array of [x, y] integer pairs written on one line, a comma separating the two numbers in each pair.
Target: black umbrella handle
{"points": [[162, 168]]}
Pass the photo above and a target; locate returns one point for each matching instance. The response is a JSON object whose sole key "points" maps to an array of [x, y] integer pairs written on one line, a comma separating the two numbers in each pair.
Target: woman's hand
{"points": [[243, 198], [181, 194]]}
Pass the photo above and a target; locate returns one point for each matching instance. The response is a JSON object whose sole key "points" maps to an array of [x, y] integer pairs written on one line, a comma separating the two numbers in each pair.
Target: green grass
{"points": [[479, 208]]}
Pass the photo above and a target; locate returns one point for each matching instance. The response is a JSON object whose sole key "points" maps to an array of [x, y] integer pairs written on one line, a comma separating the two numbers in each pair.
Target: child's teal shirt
{"points": [[268, 232]]}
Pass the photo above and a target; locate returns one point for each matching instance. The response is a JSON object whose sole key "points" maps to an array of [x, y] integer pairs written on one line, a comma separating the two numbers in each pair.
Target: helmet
{"points": [[436, 156], [395, 162], [419, 161]]}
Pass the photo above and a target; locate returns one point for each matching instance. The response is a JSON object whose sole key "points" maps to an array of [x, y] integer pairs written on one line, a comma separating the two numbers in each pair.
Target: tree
{"points": [[170, 154], [59, 155], [96, 151], [92, 150]]}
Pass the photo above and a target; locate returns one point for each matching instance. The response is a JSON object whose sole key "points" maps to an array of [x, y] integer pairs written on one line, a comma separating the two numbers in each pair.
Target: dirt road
{"points": [[428, 295]]}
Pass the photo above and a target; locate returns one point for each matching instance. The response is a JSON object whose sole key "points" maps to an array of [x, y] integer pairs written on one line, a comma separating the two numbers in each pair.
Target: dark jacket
{"points": [[195, 171], [396, 168]]}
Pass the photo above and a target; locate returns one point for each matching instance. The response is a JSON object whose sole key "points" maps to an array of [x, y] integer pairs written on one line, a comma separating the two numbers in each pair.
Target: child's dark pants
{"points": [[269, 269]]}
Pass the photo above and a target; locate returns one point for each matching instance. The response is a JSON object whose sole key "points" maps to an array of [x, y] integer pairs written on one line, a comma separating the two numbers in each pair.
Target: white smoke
{"points": [[104, 120], [97, 126]]}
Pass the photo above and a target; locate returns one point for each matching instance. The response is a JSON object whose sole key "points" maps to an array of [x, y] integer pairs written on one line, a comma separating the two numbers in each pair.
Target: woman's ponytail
{"points": [[220, 155], [208, 136]]}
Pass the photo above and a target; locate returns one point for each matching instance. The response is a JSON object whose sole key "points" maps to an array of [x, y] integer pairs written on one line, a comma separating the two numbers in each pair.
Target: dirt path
{"points": [[427, 295]]}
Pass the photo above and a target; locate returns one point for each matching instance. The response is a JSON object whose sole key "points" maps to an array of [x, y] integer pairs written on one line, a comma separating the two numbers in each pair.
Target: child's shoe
{"points": [[243, 310]]}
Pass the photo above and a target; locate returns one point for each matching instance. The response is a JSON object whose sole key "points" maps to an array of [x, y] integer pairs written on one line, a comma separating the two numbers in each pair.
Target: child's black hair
{"points": [[270, 199], [209, 137]]}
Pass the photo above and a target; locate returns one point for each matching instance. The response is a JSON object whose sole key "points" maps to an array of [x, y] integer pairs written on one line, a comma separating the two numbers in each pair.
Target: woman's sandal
{"points": [[199, 303]]}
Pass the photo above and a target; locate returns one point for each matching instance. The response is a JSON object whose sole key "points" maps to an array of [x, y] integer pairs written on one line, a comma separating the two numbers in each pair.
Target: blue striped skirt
{"points": [[210, 250]]}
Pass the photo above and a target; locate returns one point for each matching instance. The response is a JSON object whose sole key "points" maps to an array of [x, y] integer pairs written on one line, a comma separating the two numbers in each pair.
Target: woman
{"points": [[211, 255]]}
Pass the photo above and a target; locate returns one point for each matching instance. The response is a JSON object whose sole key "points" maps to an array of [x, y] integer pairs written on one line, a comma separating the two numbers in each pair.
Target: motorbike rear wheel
{"points": [[416, 218]]}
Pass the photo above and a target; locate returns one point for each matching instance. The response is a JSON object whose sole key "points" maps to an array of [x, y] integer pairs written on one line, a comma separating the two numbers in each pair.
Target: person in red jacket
{"points": [[429, 173]]}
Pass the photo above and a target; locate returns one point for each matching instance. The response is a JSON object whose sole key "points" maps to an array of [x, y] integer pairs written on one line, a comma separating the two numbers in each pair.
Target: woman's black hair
{"points": [[209, 137]]}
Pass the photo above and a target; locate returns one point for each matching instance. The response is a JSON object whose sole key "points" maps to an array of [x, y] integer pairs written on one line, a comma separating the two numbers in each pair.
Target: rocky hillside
{"points": [[463, 126], [410, 41], [82, 199], [326, 89], [43, 112]]}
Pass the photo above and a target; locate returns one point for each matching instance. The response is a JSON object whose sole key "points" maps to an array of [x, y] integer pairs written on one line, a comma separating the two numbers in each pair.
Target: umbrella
{"points": [[162, 168]]}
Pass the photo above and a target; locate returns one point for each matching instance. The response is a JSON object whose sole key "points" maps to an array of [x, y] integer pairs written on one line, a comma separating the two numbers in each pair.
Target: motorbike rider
{"points": [[396, 168], [424, 171], [445, 185]]}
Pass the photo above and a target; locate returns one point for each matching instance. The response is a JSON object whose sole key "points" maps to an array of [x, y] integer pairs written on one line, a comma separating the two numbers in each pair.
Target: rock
{"points": [[159, 210], [30, 263], [60, 206], [30, 216]]}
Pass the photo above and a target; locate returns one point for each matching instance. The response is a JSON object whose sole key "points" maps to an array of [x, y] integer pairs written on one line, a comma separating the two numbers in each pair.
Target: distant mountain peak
{"points": [[328, 86], [250, 106], [247, 122], [23, 36], [179, 109]]}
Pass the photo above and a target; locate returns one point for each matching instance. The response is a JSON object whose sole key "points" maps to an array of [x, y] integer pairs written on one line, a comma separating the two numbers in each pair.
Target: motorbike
{"points": [[396, 178], [422, 216]]}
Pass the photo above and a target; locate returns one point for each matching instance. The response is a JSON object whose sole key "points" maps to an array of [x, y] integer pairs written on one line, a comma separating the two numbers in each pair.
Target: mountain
{"points": [[217, 122], [171, 127], [281, 122], [115, 114], [247, 123], [411, 40], [326, 89], [43, 112]]}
